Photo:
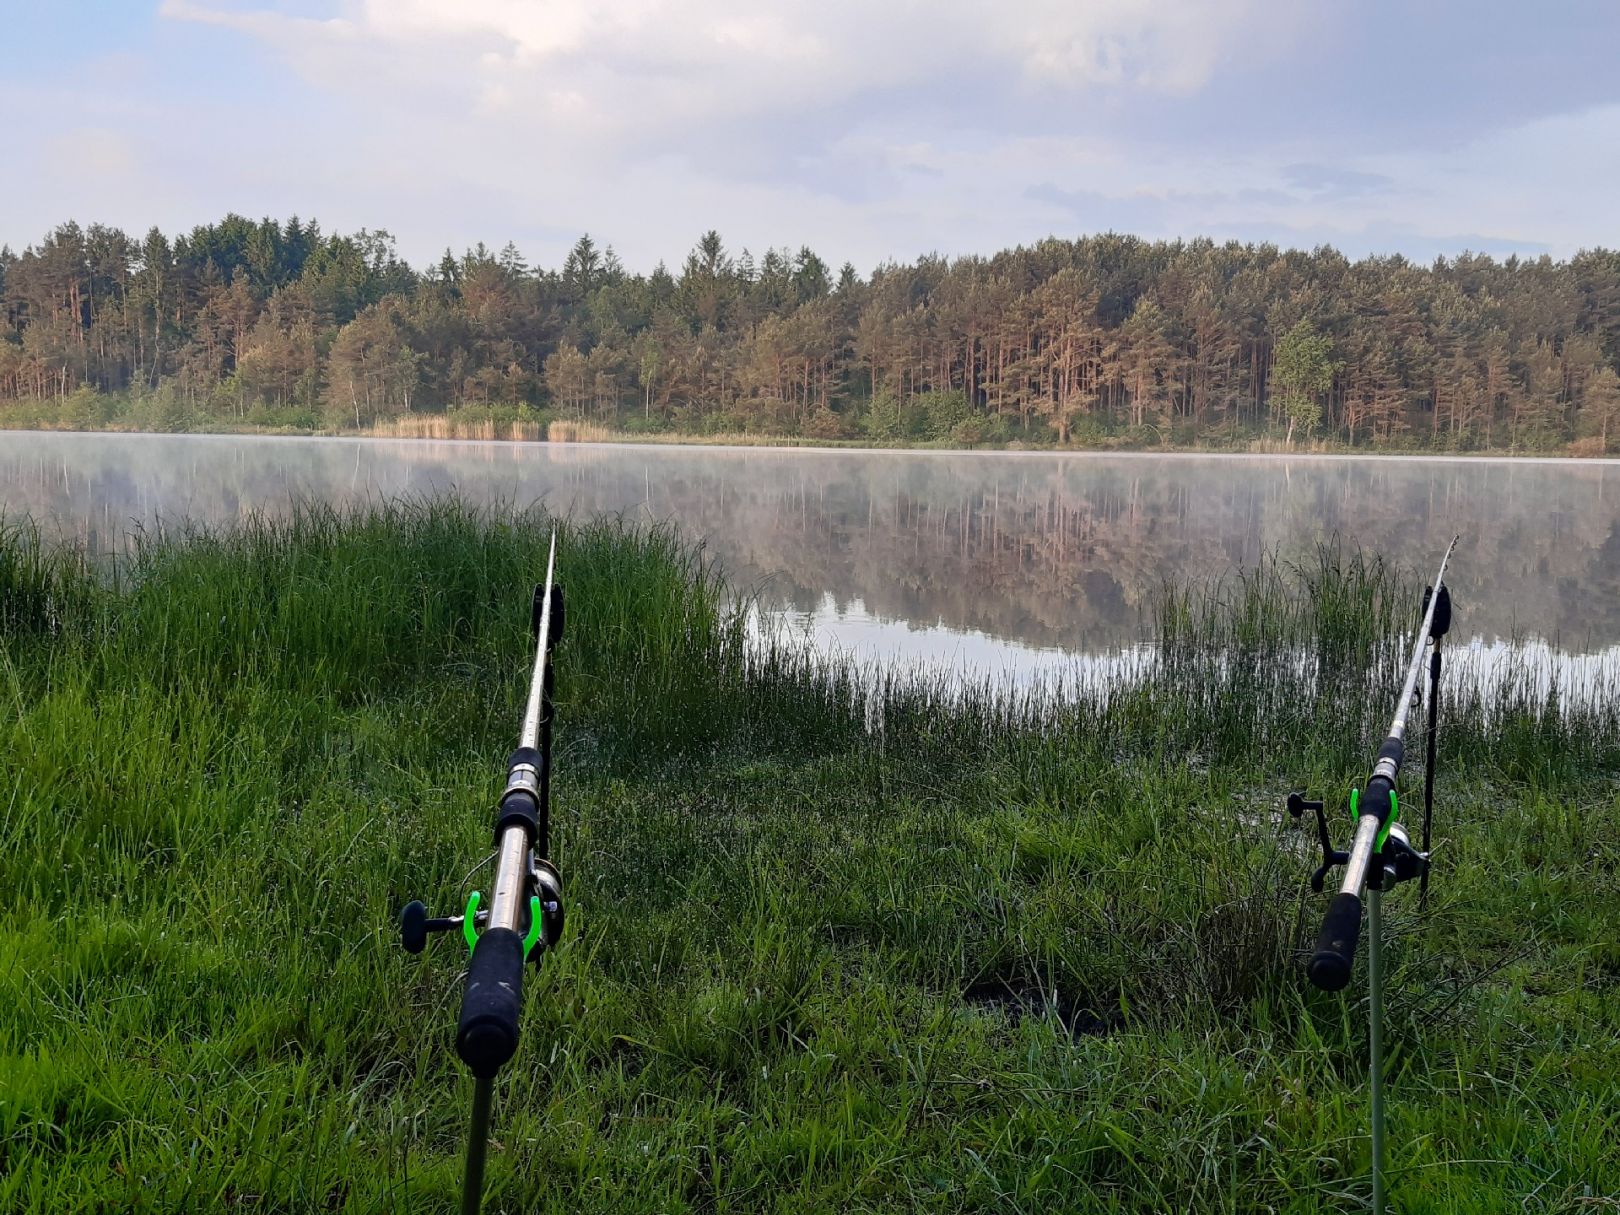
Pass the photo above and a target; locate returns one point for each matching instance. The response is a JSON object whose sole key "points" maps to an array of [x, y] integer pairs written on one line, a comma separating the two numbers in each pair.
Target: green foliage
{"points": [[288, 418], [1104, 339], [1087, 431], [889, 420], [942, 412], [826, 424], [1600, 420], [975, 431], [633, 425], [168, 409], [43, 587], [942, 417], [1302, 371], [1303, 362], [82, 410], [500, 414]]}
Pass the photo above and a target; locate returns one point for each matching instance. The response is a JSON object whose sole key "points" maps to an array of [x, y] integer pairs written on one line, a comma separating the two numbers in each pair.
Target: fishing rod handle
{"points": [[487, 1035], [1335, 956]]}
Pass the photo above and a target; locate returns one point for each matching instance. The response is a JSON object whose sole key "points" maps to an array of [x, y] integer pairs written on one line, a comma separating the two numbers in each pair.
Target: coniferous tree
{"points": [[1101, 336]]}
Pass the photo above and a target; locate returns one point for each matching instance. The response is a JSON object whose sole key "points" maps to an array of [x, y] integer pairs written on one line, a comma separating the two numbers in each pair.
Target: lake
{"points": [[1010, 563]]}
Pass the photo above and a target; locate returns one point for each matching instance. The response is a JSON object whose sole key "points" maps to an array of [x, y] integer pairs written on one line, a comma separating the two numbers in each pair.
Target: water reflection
{"points": [[850, 631], [1010, 562]]}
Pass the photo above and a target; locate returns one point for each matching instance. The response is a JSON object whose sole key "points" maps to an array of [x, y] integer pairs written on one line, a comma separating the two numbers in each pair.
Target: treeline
{"points": [[1102, 339]]}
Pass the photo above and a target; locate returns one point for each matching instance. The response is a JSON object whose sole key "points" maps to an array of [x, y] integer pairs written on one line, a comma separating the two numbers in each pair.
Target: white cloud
{"points": [[867, 129], [777, 119], [1170, 47], [635, 67]]}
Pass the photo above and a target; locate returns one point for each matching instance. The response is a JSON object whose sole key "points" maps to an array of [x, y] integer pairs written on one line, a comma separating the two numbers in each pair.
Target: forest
{"points": [[1105, 340]]}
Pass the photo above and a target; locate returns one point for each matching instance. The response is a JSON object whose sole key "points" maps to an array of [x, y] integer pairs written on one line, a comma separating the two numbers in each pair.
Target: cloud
{"points": [[837, 109], [1097, 211], [1171, 47], [1324, 180], [1148, 212], [869, 131], [1383, 239], [841, 44], [1361, 215], [632, 71]]}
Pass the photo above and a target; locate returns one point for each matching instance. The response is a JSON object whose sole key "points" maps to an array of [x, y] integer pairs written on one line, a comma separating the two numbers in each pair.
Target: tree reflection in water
{"points": [[1011, 562]]}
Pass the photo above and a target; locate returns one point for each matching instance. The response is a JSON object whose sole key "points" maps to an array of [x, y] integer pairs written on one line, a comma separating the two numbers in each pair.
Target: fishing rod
{"points": [[525, 914], [1381, 855]]}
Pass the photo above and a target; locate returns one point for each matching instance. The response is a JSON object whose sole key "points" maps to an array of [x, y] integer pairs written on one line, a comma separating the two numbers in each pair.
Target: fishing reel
{"points": [[545, 919], [1396, 860]]}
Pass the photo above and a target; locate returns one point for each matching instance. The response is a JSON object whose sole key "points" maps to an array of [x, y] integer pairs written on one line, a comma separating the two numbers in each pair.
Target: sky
{"points": [[870, 130]]}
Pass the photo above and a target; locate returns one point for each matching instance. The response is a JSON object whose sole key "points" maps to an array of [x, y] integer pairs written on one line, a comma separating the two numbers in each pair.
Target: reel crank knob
{"points": [[413, 929]]}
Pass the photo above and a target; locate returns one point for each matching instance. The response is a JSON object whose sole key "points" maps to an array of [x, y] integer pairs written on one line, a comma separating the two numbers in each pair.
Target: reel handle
{"points": [[415, 924], [1297, 805], [1331, 856]]}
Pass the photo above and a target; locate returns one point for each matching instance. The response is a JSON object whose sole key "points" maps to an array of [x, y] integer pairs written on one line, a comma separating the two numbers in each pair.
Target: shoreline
{"points": [[793, 445]]}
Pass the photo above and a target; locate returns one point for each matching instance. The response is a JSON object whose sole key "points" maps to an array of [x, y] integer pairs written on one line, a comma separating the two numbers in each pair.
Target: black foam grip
{"points": [[488, 1034], [1375, 799], [1335, 954], [519, 808], [1393, 749]]}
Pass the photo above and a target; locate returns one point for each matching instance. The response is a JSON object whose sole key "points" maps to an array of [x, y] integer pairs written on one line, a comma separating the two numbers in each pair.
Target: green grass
{"points": [[835, 942]]}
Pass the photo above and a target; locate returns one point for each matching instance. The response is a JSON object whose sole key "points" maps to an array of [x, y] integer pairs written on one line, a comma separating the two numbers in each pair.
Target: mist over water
{"points": [[1016, 564]]}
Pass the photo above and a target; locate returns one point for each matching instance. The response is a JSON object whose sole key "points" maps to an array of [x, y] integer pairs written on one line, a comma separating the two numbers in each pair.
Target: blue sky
{"points": [[869, 129]]}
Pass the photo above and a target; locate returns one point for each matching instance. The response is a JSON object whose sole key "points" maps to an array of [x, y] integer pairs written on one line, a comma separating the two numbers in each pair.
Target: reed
{"points": [[42, 585], [452, 427], [839, 938], [570, 430]]}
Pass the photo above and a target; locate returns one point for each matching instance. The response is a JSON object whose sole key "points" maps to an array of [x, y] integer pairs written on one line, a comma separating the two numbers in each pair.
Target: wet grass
{"points": [[835, 942]]}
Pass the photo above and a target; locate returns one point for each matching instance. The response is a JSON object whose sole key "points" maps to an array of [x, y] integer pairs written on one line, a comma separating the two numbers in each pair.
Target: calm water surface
{"points": [[1003, 563]]}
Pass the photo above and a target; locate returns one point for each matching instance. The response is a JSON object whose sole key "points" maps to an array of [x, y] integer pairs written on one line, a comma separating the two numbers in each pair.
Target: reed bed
{"points": [[449, 426], [568, 430], [838, 939]]}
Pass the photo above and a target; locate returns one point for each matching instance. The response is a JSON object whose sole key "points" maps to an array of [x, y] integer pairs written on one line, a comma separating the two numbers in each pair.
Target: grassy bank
{"points": [[835, 943]]}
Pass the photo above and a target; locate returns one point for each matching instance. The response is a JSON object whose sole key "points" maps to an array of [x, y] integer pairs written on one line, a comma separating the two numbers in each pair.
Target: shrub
{"points": [[823, 423], [943, 412]]}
